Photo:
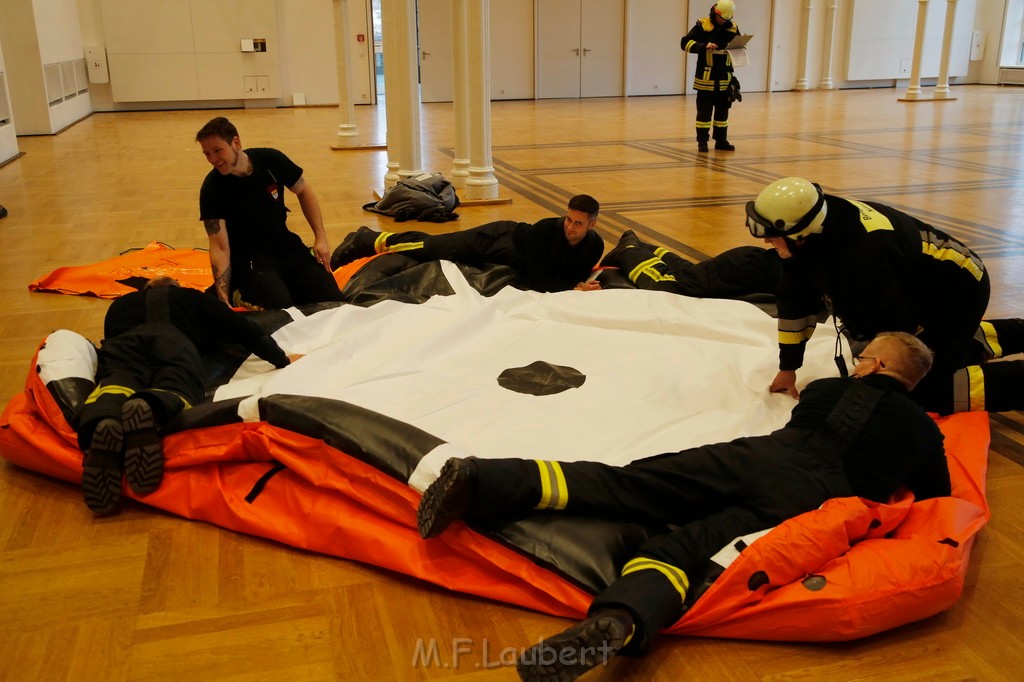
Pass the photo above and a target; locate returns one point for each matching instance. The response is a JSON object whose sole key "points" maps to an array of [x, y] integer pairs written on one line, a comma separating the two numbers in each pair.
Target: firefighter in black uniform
{"points": [[149, 370], [847, 436], [713, 79], [876, 268], [752, 271], [553, 254], [733, 274]]}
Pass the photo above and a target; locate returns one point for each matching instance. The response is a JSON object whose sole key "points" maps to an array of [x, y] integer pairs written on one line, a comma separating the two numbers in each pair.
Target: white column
{"points": [[805, 41], [914, 89], [942, 87], [402, 102], [830, 30], [348, 131], [481, 183], [460, 93]]}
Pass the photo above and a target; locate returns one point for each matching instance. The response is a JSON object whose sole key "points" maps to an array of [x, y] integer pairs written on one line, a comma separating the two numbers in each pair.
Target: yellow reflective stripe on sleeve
{"points": [[990, 338], [661, 251], [689, 44], [871, 219], [109, 389], [797, 331], [380, 244], [554, 494], [969, 389], [794, 338], [676, 576]]}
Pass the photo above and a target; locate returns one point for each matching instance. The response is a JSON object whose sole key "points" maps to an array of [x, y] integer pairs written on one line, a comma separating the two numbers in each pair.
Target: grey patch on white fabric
{"points": [[541, 378]]}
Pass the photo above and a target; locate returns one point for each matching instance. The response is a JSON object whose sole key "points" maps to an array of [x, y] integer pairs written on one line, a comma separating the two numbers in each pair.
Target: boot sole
{"points": [[101, 468], [446, 500], [143, 450], [567, 655]]}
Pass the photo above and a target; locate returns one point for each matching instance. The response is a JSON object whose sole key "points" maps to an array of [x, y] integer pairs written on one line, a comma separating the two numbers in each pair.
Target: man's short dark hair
{"points": [[585, 203], [218, 127]]}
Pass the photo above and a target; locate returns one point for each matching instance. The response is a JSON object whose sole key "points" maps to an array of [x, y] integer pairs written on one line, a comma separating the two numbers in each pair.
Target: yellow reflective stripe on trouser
{"points": [[969, 389], [109, 389], [721, 124], [554, 494], [987, 336], [647, 269], [177, 395], [952, 252], [661, 251], [380, 244], [675, 575], [703, 124], [404, 246]]}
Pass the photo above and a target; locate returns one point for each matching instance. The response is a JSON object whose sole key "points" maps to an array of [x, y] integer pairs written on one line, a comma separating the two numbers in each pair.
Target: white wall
{"points": [[36, 34], [8, 136], [653, 58]]}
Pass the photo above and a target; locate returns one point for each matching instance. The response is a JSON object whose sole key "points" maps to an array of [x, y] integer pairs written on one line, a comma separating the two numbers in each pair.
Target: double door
{"points": [[579, 48]]}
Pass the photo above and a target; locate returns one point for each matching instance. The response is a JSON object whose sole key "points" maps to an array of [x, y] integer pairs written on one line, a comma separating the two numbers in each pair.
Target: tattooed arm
{"points": [[311, 209], [220, 257]]}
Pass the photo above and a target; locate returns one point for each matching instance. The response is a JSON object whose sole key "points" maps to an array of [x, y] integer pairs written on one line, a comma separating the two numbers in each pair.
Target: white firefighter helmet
{"points": [[790, 207], [725, 9]]}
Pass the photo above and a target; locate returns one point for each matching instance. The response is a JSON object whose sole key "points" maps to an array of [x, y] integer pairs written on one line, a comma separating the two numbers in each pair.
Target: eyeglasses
{"points": [[861, 358]]}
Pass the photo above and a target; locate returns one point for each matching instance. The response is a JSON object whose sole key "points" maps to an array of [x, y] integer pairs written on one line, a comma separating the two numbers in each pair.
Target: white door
{"points": [[601, 37], [579, 48], [435, 56], [558, 48]]}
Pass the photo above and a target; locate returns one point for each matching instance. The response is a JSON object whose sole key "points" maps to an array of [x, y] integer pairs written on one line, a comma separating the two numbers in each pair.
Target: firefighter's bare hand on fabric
{"points": [[785, 382]]}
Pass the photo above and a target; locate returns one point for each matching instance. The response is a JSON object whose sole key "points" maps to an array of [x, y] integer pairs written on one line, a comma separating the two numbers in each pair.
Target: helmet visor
{"points": [[760, 227]]}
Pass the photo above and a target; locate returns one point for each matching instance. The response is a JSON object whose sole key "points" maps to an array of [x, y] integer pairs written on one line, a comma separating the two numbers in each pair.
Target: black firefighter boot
{"points": [[721, 143]]}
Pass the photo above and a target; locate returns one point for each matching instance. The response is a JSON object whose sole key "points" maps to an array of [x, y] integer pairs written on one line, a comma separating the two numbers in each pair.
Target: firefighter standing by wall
{"points": [[708, 39]]}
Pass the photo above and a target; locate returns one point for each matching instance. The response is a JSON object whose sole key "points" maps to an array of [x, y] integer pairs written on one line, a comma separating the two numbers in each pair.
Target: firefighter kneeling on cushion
{"points": [[878, 269]]}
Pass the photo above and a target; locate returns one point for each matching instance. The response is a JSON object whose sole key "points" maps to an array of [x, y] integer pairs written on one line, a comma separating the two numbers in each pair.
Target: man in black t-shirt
{"points": [[553, 254], [257, 262]]}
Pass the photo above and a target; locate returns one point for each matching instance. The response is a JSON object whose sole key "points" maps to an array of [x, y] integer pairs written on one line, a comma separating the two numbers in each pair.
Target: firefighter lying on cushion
{"points": [[877, 269], [553, 254], [753, 272], [150, 370], [847, 436], [708, 39]]}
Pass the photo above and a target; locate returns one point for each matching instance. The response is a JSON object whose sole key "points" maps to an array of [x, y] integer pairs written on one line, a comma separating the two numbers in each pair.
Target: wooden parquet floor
{"points": [[147, 596]]}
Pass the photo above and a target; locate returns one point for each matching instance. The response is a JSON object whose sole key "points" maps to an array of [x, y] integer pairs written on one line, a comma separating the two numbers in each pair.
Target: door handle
{"points": [[425, 54], [577, 51], [586, 50]]}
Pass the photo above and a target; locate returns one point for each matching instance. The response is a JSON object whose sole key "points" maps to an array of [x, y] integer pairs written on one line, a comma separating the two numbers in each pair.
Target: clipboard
{"points": [[739, 41]]}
